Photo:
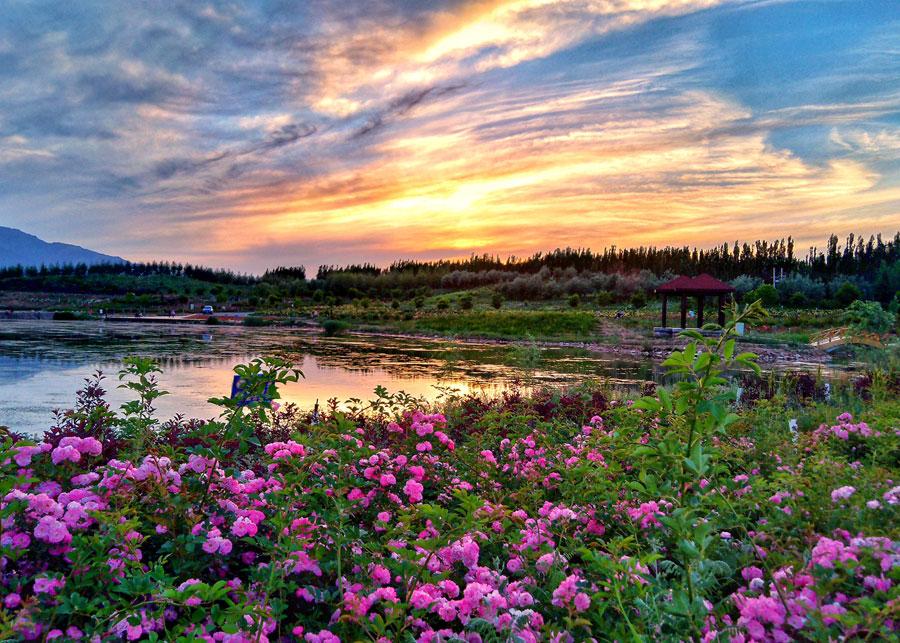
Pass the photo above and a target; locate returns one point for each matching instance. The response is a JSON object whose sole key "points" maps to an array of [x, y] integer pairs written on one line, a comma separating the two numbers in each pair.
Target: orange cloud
{"points": [[529, 179]]}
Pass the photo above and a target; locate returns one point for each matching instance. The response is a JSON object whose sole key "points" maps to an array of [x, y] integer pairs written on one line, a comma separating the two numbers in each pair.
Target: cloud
{"points": [[354, 131], [885, 142]]}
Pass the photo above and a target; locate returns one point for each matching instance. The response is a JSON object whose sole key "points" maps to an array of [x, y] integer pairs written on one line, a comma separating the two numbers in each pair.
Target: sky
{"points": [[254, 134]]}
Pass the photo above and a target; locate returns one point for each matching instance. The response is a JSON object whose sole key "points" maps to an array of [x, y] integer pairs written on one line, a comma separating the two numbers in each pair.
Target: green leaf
{"points": [[728, 350], [666, 398], [647, 404]]}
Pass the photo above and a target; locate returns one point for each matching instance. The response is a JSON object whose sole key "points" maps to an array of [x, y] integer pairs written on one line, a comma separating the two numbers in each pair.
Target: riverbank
{"points": [[606, 335]]}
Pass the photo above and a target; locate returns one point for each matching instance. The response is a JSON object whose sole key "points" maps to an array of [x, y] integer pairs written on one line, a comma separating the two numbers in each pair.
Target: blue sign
{"points": [[237, 393]]}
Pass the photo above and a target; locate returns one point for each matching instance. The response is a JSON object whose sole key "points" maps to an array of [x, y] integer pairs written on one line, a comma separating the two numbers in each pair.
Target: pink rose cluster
{"points": [[845, 428], [788, 606], [73, 448]]}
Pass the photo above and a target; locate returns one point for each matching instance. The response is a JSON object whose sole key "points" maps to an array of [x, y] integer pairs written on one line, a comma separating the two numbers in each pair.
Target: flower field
{"points": [[552, 517]]}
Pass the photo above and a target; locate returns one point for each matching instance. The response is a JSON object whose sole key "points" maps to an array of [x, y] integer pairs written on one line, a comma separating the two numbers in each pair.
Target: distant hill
{"points": [[21, 248]]}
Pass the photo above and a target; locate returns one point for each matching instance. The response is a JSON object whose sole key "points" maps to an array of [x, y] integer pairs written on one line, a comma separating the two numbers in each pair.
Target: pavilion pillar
{"points": [[665, 301], [700, 299], [722, 310], [683, 311]]}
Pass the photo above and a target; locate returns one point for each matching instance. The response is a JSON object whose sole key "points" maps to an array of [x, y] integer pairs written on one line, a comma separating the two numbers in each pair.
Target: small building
{"points": [[700, 287]]}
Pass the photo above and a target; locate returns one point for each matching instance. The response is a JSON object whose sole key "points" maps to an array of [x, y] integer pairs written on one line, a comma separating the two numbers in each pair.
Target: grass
{"points": [[775, 338], [539, 324]]}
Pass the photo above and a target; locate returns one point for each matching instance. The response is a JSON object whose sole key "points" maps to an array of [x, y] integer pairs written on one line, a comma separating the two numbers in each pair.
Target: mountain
{"points": [[21, 248]]}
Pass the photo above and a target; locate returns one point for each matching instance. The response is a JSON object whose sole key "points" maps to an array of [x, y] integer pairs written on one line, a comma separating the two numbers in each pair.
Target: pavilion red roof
{"points": [[702, 284]]}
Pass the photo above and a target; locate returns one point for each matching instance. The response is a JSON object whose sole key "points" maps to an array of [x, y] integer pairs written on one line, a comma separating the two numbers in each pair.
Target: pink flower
{"points": [[381, 575], [51, 530], [749, 573], [12, 600], [413, 489], [582, 601], [43, 585], [215, 543], [828, 551], [566, 591], [90, 446], [842, 493], [420, 599], [646, 514], [62, 453], [757, 612], [24, 454], [387, 479], [243, 526]]}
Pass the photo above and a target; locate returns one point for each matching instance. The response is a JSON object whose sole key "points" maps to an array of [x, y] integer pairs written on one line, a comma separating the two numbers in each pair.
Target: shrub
{"points": [[604, 298], [419, 301], [64, 315], [574, 301], [212, 320], [798, 300], [869, 316], [255, 321], [497, 300], [639, 299], [333, 327], [443, 304], [766, 293], [465, 302]]}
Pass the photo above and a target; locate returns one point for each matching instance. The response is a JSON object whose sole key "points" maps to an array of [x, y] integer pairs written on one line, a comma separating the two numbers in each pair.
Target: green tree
{"points": [[846, 294]]}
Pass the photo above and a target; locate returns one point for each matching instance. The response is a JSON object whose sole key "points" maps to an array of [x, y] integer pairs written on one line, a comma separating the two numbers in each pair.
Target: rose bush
{"points": [[514, 519]]}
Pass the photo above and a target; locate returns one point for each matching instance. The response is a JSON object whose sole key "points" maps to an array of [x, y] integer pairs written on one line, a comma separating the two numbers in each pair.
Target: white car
{"points": [[207, 310]]}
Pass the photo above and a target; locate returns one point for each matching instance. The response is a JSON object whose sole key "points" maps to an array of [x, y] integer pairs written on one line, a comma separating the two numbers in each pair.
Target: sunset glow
{"points": [[247, 136]]}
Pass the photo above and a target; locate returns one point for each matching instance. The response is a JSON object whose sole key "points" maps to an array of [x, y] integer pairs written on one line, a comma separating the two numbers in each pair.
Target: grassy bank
{"points": [[540, 325]]}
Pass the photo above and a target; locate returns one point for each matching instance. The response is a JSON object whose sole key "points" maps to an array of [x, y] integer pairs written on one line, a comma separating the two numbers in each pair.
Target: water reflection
{"points": [[43, 363]]}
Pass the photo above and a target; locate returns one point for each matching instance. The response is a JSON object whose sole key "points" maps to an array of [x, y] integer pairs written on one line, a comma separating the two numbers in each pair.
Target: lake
{"points": [[43, 363]]}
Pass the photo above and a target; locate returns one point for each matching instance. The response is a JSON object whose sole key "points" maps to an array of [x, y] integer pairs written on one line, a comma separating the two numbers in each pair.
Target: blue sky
{"points": [[252, 134]]}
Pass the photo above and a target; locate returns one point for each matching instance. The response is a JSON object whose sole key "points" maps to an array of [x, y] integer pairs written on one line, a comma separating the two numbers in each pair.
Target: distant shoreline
{"points": [[651, 348]]}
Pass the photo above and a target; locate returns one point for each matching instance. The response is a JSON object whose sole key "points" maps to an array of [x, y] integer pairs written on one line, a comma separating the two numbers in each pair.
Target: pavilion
{"points": [[701, 287]]}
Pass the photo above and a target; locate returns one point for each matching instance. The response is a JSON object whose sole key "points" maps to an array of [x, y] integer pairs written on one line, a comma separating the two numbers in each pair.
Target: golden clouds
{"points": [[586, 170], [360, 67]]}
